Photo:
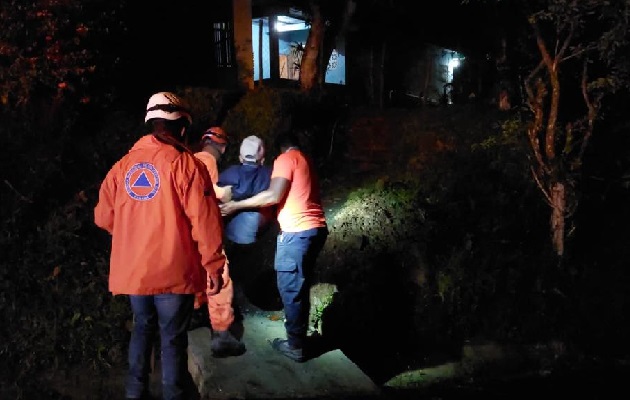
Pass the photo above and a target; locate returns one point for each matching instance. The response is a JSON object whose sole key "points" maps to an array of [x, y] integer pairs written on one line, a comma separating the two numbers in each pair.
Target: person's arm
{"points": [[224, 193], [277, 189], [104, 210]]}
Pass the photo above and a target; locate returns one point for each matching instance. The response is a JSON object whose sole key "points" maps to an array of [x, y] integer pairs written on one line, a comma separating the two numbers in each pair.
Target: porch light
{"points": [[287, 24]]}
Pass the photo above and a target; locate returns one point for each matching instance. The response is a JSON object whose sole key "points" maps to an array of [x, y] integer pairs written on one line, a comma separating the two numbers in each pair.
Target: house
{"points": [[261, 39], [278, 39], [429, 75]]}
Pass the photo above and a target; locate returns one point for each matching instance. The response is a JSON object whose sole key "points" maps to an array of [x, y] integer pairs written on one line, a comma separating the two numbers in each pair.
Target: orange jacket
{"points": [[159, 206], [211, 166]]}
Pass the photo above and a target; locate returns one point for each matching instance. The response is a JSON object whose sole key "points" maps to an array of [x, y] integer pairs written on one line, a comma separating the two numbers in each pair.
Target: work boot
{"points": [[224, 344], [283, 347]]}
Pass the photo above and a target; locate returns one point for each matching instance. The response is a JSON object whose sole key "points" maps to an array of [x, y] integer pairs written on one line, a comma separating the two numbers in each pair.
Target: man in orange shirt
{"points": [[219, 305], [158, 204], [294, 188]]}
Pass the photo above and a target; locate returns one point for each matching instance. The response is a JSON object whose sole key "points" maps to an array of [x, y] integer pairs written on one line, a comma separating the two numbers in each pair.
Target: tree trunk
{"points": [[557, 153], [558, 204], [309, 68], [547, 169], [243, 42], [381, 75]]}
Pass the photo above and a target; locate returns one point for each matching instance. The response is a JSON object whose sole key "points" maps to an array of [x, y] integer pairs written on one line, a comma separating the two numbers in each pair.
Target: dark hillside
{"points": [[439, 238]]}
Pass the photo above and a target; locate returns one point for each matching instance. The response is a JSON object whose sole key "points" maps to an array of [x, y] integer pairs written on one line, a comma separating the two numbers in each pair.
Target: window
{"points": [[223, 48]]}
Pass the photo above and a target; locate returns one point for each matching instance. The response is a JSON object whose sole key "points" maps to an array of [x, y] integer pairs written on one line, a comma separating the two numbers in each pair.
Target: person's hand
{"points": [[228, 208], [227, 194], [215, 284]]}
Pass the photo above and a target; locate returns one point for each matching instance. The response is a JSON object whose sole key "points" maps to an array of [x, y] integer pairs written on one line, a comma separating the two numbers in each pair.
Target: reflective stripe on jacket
{"points": [[159, 206]]}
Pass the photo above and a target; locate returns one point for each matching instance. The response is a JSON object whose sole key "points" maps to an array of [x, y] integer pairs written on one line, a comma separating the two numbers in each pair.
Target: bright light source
{"points": [[282, 27], [453, 63], [287, 24]]}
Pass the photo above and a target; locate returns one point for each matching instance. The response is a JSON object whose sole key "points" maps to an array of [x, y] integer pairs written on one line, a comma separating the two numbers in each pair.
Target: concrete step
{"points": [[262, 373]]}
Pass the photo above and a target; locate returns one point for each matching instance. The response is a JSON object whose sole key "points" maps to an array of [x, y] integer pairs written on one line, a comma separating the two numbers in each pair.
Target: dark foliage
{"points": [[444, 242]]}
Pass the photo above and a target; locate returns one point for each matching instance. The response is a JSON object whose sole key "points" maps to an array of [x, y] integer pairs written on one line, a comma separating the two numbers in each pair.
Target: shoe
{"points": [[200, 318], [224, 344], [283, 347], [146, 396]]}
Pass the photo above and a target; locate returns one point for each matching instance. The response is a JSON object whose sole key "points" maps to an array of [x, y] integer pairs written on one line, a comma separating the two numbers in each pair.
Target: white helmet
{"points": [[167, 105]]}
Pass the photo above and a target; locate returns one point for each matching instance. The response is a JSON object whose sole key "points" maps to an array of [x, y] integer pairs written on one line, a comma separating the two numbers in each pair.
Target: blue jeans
{"points": [[243, 227], [171, 313], [296, 254]]}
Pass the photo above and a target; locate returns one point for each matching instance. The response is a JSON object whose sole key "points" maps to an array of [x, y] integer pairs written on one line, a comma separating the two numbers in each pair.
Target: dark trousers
{"points": [[296, 254], [170, 313]]}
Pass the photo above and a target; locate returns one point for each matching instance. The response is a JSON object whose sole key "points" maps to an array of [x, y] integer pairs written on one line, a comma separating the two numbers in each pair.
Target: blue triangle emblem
{"points": [[142, 181]]}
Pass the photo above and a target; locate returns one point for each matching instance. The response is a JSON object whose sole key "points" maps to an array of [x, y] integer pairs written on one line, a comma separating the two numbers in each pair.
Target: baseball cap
{"points": [[252, 149]]}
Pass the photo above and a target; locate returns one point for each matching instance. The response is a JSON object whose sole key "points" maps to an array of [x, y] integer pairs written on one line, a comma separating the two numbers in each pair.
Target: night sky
{"points": [[167, 45]]}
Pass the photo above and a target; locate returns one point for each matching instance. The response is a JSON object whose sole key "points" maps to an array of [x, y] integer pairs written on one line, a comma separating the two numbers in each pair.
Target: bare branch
{"points": [[542, 47], [579, 53], [566, 43], [20, 195], [528, 89], [532, 131], [542, 188], [593, 107]]}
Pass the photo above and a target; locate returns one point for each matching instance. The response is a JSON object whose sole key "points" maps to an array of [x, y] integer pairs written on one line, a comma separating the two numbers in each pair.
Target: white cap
{"points": [[252, 149]]}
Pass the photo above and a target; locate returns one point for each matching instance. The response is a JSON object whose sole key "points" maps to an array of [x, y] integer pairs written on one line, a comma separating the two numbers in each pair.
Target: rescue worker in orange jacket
{"points": [[158, 204], [219, 305]]}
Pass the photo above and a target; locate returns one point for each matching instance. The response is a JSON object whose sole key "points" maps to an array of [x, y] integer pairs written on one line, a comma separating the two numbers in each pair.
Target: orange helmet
{"points": [[216, 134]]}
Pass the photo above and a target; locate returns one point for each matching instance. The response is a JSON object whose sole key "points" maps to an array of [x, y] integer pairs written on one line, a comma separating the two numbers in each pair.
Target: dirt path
{"points": [[262, 373]]}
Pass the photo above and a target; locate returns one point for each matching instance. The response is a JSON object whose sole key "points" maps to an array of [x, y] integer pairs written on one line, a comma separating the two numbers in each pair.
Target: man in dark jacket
{"points": [[248, 178]]}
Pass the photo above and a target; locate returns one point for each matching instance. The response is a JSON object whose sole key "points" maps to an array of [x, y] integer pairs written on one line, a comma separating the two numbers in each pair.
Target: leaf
{"points": [[82, 197], [55, 273]]}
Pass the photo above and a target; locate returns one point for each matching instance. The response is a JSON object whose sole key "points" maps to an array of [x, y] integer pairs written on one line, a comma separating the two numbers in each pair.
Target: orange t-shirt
{"points": [[301, 208], [211, 165], [166, 227]]}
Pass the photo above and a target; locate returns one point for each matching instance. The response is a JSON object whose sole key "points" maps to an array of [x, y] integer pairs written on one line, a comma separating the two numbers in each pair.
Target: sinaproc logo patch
{"points": [[142, 181]]}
